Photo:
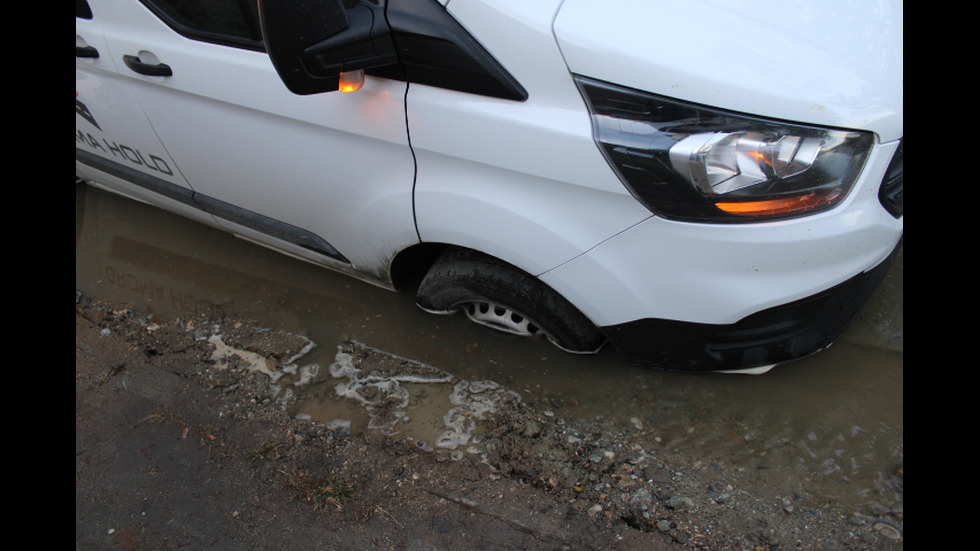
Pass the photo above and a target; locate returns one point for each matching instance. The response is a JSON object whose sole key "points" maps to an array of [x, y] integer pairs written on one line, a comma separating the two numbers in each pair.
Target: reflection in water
{"points": [[832, 423]]}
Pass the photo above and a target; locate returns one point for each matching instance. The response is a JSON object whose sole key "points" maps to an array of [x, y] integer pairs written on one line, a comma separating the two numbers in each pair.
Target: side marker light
{"points": [[351, 81]]}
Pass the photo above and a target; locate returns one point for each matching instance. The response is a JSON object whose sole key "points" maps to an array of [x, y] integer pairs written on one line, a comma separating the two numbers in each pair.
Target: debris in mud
{"points": [[362, 363], [376, 379], [473, 401], [259, 349], [493, 426]]}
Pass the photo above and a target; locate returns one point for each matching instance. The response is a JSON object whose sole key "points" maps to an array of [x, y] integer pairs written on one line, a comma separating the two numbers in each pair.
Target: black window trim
{"points": [[82, 9], [251, 17]]}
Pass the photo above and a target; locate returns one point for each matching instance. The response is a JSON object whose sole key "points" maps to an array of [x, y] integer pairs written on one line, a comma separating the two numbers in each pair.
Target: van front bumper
{"points": [[766, 338]]}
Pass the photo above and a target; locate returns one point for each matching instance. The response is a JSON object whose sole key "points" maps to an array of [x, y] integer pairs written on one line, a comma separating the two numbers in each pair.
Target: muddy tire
{"points": [[495, 294]]}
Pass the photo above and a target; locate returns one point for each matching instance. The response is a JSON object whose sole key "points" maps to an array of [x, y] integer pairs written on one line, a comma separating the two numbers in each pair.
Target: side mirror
{"points": [[311, 42]]}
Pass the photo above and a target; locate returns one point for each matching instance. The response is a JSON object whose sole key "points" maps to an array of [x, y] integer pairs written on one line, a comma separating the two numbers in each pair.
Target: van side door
{"points": [[115, 145], [325, 177]]}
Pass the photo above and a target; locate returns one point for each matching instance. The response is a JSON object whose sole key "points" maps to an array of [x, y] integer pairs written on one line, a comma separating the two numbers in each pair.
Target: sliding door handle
{"points": [[150, 69], [86, 51]]}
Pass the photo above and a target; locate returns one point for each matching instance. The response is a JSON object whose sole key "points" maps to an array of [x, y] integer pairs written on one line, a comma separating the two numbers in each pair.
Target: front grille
{"points": [[891, 192]]}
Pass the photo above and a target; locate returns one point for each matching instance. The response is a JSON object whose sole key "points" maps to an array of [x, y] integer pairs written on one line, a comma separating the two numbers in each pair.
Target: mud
{"points": [[185, 439]]}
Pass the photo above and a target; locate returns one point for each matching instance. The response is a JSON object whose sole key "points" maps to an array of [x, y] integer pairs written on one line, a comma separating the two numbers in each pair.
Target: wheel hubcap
{"points": [[500, 318]]}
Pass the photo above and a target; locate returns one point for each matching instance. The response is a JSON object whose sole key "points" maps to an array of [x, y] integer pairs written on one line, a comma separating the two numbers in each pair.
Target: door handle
{"points": [[86, 51], [151, 69]]}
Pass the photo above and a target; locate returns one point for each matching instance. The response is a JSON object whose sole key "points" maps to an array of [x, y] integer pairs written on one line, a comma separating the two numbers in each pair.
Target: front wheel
{"points": [[495, 294]]}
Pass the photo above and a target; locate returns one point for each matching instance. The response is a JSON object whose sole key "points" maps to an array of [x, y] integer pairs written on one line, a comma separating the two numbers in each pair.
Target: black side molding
{"points": [[215, 207], [268, 226]]}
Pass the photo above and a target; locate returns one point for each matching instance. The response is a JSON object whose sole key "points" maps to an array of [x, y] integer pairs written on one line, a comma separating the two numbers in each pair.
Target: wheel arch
{"points": [[460, 275], [407, 268]]}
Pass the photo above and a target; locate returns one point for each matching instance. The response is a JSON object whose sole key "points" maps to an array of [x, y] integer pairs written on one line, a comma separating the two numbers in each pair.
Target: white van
{"points": [[705, 185]]}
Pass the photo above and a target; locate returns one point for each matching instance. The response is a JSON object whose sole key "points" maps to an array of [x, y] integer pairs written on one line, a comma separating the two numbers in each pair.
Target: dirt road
{"points": [[176, 450]]}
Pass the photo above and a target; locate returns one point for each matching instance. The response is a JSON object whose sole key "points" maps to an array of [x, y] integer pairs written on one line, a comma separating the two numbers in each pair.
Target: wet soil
{"points": [[181, 442]]}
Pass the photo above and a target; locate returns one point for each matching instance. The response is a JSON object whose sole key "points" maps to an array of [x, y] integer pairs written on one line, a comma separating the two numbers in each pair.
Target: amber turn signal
{"points": [[351, 81]]}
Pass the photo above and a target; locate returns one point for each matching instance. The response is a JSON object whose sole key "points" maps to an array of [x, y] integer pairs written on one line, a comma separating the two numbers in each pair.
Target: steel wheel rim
{"points": [[501, 318]]}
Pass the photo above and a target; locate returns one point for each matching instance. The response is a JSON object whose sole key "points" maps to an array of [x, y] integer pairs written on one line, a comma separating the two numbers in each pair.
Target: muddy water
{"points": [[829, 426]]}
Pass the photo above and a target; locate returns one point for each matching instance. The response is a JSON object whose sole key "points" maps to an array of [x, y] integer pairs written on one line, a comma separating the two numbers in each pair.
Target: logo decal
{"points": [[82, 110]]}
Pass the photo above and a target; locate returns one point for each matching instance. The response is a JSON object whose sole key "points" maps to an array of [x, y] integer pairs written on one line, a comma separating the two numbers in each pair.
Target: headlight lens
{"points": [[689, 162]]}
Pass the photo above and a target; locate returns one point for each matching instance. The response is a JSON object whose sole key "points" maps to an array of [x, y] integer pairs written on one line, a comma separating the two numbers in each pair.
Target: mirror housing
{"points": [[311, 42]]}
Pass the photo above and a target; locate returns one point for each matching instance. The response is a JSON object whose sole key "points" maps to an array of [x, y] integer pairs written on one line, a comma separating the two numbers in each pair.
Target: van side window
{"points": [[228, 22]]}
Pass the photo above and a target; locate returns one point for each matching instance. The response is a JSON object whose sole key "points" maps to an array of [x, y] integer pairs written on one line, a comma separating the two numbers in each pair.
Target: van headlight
{"points": [[695, 163]]}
